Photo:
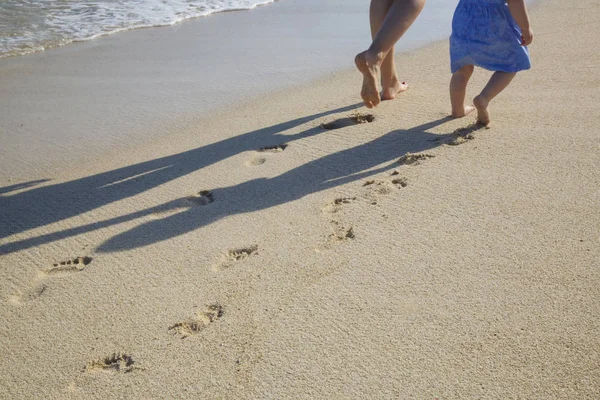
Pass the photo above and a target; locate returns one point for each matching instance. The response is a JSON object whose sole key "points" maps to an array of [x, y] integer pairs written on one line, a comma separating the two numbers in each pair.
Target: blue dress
{"points": [[485, 34]]}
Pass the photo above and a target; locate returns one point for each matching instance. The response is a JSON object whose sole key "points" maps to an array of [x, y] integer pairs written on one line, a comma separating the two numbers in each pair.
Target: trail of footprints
{"points": [[211, 313], [343, 231]]}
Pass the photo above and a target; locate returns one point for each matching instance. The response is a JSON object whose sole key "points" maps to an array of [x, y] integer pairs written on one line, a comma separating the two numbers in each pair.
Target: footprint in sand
{"points": [[460, 140], [116, 362], [259, 160], [199, 322], [38, 285], [202, 198], [236, 255], [76, 265], [413, 159], [465, 134], [461, 135], [341, 230], [256, 161], [343, 200], [337, 204], [354, 119], [400, 182], [29, 294], [341, 233], [379, 187], [273, 149]]}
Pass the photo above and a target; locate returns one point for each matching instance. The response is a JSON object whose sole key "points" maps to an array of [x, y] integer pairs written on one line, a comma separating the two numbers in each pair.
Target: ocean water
{"points": [[27, 26]]}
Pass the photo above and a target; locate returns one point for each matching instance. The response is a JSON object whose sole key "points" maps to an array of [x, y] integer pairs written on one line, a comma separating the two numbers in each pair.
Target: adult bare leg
{"points": [[390, 84], [399, 17]]}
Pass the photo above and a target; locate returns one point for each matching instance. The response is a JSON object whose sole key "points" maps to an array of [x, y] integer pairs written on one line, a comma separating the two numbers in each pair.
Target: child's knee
{"points": [[466, 71]]}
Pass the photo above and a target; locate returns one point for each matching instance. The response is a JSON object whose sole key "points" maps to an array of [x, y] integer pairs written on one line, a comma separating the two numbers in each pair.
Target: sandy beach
{"points": [[277, 249]]}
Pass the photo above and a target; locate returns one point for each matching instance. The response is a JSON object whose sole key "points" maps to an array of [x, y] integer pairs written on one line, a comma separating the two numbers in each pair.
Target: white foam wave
{"points": [[27, 26]]}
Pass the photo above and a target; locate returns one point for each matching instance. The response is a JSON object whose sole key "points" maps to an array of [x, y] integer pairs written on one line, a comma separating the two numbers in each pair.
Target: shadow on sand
{"points": [[38, 207]]}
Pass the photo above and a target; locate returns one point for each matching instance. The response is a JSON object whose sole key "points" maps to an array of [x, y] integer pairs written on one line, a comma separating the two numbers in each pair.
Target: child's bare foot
{"points": [[483, 116], [461, 113], [390, 92], [370, 71]]}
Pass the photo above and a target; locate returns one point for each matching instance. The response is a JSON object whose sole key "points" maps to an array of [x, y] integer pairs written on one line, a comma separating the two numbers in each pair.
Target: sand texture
{"points": [[281, 250]]}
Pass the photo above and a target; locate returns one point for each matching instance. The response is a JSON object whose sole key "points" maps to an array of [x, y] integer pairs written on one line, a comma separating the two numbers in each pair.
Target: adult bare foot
{"points": [[461, 113], [390, 92], [370, 72], [483, 116]]}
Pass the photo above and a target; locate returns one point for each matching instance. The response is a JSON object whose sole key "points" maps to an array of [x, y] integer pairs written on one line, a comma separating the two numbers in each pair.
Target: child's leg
{"points": [[498, 82], [458, 89]]}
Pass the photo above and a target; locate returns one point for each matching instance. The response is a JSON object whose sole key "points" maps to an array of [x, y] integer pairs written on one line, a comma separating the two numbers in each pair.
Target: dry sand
{"points": [[325, 269]]}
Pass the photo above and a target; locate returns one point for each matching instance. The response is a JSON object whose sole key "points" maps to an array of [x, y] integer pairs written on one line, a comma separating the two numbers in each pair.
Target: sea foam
{"points": [[27, 26]]}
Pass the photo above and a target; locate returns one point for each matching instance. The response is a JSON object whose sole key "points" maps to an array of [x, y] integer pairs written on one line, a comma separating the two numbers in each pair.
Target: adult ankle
{"points": [[373, 57]]}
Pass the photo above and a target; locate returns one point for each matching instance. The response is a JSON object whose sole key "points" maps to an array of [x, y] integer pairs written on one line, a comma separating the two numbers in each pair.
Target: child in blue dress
{"points": [[492, 34]]}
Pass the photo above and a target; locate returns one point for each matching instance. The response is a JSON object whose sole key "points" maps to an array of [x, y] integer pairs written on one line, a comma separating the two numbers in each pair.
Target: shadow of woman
{"points": [[48, 204], [336, 169]]}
